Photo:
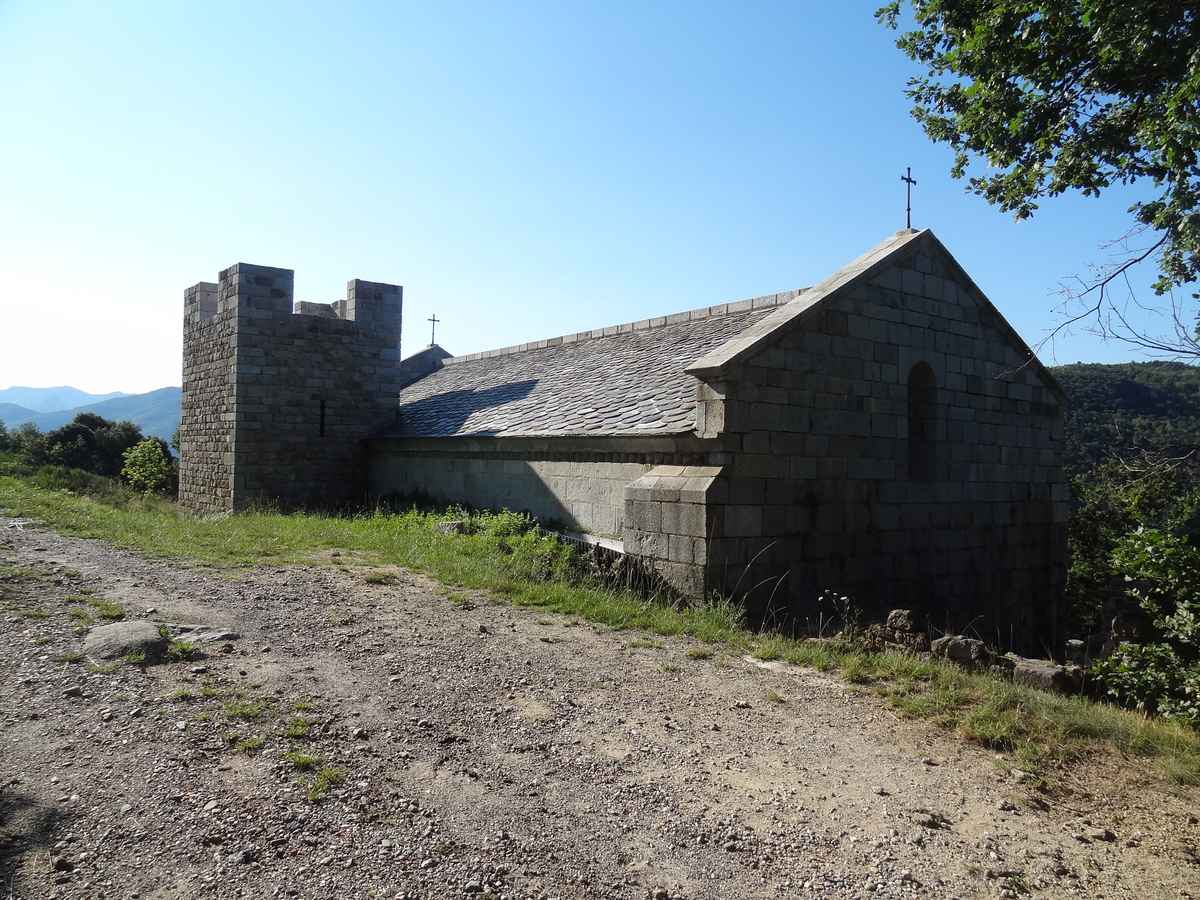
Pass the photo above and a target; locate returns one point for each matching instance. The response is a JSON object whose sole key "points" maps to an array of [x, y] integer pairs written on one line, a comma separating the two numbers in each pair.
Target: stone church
{"points": [[885, 434]]}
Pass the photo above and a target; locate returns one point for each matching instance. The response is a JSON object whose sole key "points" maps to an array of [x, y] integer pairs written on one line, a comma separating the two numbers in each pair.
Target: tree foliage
{"points": [[1114, 500], [1161, 674], [1061, 95], [91, 443], [28, 443], [147, 466]]}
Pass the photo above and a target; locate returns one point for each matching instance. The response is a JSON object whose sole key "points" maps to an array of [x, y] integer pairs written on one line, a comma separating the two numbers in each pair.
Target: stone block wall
{"points": [[831, 487], [671, 515], [206, 405], [277, 404], [573, 483]]}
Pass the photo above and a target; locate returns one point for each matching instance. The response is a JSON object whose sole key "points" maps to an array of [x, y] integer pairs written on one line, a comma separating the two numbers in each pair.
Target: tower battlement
{"points": [[265, 292], [278, 395]]}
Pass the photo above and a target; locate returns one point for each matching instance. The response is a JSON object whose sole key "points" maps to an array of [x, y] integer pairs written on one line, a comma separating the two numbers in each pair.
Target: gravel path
{"points": [[493, 751]]}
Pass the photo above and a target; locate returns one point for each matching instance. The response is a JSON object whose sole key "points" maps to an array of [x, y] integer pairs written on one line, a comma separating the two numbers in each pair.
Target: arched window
{"points": [[922, 423]]}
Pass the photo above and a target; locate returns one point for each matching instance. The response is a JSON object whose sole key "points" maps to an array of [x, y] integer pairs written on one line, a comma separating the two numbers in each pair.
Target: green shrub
{"points": [[28, 444], [1138, 676], [1163, 571], [91, 443], [1162, 574], [1115, 499], [503, 524], [147, 466]]}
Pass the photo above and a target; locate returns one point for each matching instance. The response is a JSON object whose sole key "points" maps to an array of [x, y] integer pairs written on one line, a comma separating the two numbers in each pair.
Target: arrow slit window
{"points": [[922, 423]]}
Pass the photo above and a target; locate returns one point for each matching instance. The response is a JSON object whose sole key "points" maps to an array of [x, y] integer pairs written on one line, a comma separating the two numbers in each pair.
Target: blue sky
{"points": [[524, 170]]}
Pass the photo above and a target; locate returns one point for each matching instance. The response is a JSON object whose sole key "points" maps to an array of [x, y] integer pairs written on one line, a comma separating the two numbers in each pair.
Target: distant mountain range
{"points": [[52, 399], [156, 412], [12, 414]]}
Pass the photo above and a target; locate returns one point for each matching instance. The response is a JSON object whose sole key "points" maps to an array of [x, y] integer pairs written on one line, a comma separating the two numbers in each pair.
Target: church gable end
{"points": [[894, 440]]}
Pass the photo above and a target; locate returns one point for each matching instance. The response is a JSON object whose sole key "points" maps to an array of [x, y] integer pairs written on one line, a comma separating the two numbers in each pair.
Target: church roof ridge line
{"points": [[733, 307]]}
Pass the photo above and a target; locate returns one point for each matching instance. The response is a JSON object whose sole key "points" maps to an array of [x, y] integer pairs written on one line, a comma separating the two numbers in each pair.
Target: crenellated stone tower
{"points": [[276, 401]]}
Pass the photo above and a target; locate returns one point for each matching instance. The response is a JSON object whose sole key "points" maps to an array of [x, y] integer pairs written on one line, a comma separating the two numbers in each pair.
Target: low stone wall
{"points": [[576, 484]]}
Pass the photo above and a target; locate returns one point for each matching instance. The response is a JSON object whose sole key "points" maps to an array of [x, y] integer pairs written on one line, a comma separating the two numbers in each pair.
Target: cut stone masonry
{"points": [[276, 404], [885, 434]]}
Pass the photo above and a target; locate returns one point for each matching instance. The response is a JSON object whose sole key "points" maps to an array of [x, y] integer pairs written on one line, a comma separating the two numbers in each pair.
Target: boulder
{"points": [[903, 631], [964, 650], [1046, 675], [123, 638], [904, 620]]}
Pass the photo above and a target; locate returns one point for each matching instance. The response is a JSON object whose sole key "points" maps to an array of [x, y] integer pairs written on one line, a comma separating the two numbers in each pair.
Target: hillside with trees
{"points": [[1123, 410]]}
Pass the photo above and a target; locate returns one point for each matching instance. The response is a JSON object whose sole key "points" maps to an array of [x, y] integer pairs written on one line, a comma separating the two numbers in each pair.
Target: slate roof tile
{"points": [[609, 381]]}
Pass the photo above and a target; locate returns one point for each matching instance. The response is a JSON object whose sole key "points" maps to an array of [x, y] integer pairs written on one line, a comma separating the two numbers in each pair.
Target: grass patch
{"points": [[250, 745], [183, 695], [699, 653], [326, 779], [302, 761], [380, 578], [70, 656], [500, 556], [106, 609], [134, 658], [245, 710], [855, 668], [303, 705], [182, 651], [297, 728], [80, 615]]}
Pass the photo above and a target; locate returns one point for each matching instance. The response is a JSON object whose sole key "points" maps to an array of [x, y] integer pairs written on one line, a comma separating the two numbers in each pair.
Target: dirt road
{"points": [[493, 751]]}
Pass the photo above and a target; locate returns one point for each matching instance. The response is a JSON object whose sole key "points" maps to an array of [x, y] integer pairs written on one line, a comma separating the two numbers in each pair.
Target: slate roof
{"points": [[631, 379], [621, 380]]}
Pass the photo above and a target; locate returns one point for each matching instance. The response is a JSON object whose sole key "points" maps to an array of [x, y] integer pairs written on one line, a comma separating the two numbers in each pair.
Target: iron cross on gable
{"points": [[910, 182], [433, 327]]}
